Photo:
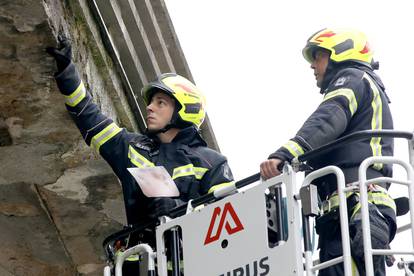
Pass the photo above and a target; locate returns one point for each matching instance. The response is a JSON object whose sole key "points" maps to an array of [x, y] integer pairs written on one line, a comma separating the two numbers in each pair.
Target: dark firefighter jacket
{"points": [[195, 169], [354, 100]]}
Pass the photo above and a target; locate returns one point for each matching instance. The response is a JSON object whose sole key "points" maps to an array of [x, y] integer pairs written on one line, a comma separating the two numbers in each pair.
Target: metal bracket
{"points": [[309, 197], [189, 207]]}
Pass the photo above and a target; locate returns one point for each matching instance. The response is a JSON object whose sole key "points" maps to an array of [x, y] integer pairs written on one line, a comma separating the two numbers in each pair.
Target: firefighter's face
{"points": [[319, 65], [159, 111]]}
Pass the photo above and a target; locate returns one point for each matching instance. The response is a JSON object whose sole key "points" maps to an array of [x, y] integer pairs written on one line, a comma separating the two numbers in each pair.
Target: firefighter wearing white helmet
{"points": [[354, 99], [175, 112]]}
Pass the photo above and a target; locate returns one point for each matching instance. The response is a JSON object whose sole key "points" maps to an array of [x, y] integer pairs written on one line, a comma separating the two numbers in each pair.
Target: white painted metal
{"points": [[343, 217], [247, 249], [138, 249], [107, 271], [368, 251]]}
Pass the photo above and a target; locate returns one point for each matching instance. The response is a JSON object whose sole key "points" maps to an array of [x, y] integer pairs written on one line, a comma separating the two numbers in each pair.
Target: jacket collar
{"points": [[189, 136], [333, 69]]}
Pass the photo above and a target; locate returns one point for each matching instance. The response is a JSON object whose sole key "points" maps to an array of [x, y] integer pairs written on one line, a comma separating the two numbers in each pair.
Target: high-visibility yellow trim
{"points": [[355, 209], [77, 96], [189, 169], [199, 172], [219, 186], [170, 266], [294, 148], [333, 201], [376, 121], [349, 94], [354, 268], [377, 198], [183, 171], [138, 160], [132, 258], [104, 136], [380, 198]]}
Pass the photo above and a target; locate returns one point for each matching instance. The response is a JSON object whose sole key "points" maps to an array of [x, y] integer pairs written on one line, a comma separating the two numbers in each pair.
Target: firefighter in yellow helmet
{"points": [[189, 101], [354, 99], [175, 112]]}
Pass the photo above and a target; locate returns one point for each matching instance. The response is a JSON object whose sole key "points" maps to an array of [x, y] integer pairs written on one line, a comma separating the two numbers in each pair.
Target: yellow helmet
{"points": [[344, 45], [191, 109]]}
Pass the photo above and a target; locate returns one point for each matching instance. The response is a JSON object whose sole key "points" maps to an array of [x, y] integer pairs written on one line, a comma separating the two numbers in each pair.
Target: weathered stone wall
{"points": [[58, 200]]}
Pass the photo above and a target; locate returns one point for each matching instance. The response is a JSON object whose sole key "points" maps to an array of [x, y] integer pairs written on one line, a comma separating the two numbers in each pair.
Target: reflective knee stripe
{"points": [[294, 148], [189, 169], [349, 94], [138, 160], [77, 96], [376, 121], [104, 136], [218, 186]]}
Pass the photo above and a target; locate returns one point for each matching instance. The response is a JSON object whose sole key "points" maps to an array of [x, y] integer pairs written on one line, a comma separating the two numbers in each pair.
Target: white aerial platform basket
{"points": [[230, 236], [249, 230]]}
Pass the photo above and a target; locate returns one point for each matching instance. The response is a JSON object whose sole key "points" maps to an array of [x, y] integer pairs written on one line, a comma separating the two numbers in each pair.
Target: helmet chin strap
{"points": [[161, 130], [174, 123]]}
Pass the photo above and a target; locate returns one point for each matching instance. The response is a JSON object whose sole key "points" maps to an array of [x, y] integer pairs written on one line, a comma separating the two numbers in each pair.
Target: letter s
{"points": [[264, 266]]}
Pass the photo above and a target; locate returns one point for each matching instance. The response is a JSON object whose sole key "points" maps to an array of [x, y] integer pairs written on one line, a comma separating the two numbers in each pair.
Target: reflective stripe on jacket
{"points": [[195, 168], [354, 100]]}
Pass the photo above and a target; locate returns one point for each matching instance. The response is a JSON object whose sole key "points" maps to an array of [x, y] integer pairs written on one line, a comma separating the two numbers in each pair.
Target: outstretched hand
{"points": [[62, 54]]}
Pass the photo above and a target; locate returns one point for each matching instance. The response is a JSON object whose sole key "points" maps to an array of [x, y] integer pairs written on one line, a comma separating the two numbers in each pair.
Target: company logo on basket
{"points": [[228, 219]]}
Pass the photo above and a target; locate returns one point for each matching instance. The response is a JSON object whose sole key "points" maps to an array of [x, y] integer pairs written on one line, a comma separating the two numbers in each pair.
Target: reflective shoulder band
{"points": [[138, 160], [76, 96], [104, 136], [347, 93]]}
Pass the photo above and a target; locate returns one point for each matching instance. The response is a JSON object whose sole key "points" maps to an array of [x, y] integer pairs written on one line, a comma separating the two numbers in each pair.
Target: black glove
{"points": [[62, 54], [161, 206]]}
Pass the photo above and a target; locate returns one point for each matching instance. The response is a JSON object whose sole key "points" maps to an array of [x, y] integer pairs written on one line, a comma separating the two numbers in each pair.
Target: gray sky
{"points": [[246, 57]]}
